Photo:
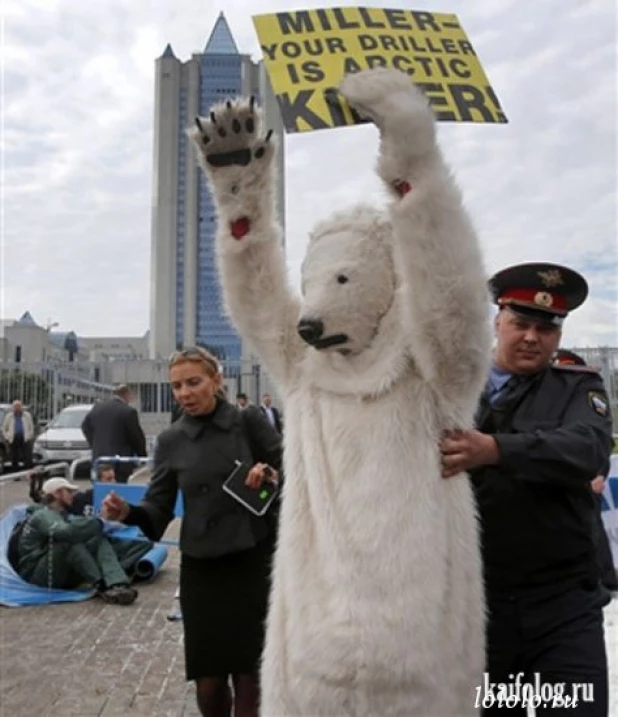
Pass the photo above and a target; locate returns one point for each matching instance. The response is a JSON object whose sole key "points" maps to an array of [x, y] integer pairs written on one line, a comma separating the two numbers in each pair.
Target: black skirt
{"points": [[224, 602]]}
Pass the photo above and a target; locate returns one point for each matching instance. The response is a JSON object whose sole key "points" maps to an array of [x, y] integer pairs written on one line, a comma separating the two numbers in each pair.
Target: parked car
{"points": [[63, 439]]}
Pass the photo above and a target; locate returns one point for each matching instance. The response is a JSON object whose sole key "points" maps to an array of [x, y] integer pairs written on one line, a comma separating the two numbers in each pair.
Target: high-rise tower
{"points": [[185, 303]]}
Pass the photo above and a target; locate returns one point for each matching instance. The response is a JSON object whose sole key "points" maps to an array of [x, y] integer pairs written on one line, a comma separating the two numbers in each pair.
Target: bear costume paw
{"points": [[237, 159], [231, 136], [402, 113], [384, 95]]}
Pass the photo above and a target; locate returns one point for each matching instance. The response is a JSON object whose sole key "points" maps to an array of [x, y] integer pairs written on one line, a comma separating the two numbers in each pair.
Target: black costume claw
{"points": [[330, 95], [252, 102], [228, 104], [213, 119], [199, 125], [269, 134], [241, 157]]}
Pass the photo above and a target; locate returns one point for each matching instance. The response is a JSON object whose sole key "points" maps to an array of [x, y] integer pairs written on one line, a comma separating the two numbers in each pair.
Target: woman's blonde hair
{"points": [[196, 354]]}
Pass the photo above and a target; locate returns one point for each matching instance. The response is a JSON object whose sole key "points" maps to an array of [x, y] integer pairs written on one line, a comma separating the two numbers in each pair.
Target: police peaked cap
{"points": [[540, 291], [564, 357]]}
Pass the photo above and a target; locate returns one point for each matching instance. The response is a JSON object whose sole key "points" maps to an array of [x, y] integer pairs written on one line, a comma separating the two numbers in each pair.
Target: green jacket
{"points": [[45, 526]]}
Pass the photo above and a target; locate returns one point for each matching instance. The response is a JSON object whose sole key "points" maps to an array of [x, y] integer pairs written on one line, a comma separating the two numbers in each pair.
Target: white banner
{"points": [[609, 509]]}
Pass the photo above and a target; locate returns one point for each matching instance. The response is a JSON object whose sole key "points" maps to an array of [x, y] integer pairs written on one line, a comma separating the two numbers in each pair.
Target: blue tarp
{"points": [[15, 592]]}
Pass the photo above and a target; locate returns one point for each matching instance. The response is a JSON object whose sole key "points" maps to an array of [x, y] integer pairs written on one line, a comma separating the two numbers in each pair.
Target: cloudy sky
{"points": [[77, 105]]}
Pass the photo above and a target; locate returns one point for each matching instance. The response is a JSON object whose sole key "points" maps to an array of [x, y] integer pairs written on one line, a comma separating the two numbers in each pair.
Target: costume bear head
{"points": [[348, 281]]}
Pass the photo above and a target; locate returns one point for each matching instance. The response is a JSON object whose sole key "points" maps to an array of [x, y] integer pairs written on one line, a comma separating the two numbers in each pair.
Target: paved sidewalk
{"points": [[92, 659]]}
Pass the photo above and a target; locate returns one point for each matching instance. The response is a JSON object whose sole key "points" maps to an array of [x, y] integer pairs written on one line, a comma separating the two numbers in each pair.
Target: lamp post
{"points": [[56, 388]]}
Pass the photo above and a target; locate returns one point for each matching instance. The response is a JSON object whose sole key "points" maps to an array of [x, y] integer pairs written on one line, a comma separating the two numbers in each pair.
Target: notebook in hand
{"points": [[257, 500]]}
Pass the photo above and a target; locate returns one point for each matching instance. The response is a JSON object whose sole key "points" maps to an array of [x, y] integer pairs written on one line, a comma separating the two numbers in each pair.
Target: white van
{"points": [[63, 439]]}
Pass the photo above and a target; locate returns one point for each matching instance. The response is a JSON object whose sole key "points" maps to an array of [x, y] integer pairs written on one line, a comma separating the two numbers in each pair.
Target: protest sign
{"points": [[308, 52]]}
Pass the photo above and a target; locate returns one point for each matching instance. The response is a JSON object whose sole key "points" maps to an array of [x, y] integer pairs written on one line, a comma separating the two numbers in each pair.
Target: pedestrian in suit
{"points": [[242, 401], [18, 431], [271, 413], [112, 429]]}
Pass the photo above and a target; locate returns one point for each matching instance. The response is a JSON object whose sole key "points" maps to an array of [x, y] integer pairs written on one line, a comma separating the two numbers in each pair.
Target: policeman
{"points": [[609, 577], [543, 434]]}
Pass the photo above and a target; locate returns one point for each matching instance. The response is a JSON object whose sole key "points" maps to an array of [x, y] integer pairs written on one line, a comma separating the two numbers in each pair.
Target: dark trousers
{"points": [[123, 471], [67, 566], [554, 639], [20, 453]]}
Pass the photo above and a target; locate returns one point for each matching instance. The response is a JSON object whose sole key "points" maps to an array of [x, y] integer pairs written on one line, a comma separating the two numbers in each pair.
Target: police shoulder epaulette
{"points": [[574, 368]]}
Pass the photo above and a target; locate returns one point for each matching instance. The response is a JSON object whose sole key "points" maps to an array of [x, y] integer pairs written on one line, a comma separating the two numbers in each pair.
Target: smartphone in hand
{"points": [[256, 500]]}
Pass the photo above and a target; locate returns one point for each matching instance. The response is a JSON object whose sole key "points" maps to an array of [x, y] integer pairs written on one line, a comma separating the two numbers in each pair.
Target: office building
{"points": [[186, 307]]}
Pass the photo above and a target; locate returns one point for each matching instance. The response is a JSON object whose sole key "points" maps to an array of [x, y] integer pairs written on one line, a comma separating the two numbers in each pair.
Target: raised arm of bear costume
{"points": [[238, 160], [437, 254], [440, 313]]}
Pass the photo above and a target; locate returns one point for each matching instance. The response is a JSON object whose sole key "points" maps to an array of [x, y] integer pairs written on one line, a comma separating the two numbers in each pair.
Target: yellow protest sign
{"points": [[308, 52]]}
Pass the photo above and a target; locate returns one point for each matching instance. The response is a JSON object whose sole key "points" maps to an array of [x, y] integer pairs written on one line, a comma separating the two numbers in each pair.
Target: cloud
{"points": [[78, 98]]}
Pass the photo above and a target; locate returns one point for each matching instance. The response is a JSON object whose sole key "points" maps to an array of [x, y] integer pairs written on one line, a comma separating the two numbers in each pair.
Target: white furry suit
{"points": [[377, 606]]}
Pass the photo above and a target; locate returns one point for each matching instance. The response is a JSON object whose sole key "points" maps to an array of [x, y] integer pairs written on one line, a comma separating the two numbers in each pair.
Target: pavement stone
{"points": [[91, 659]]}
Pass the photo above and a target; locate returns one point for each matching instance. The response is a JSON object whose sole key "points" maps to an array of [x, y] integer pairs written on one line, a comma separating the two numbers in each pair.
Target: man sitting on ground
{"points": [[56, 552], [83, 501], [128, 551]]}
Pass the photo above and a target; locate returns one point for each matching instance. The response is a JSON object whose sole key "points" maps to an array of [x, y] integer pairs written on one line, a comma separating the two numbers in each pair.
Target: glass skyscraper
{"points": [[186, 307]]}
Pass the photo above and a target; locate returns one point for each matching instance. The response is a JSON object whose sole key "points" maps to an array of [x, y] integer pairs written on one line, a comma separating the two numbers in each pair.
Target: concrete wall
{"points": [[126, 348]]}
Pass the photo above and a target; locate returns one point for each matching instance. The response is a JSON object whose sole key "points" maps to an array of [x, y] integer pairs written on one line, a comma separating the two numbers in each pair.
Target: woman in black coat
{"points": [[226, 550]]}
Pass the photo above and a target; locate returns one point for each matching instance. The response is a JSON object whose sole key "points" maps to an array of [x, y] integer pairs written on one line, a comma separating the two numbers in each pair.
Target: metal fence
{"points": [[149, 381], [48, 387]]}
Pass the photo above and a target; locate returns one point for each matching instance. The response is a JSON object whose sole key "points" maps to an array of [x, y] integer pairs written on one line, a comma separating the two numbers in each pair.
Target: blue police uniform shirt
{"points": [[497, 380], [18, 428]]}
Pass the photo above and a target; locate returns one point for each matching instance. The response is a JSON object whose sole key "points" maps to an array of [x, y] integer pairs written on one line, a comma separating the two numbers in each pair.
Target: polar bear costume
{"points": [[377, 605]]}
